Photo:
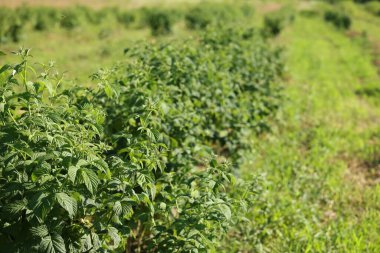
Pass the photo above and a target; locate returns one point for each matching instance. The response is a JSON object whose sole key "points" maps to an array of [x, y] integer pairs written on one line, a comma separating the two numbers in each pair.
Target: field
{"points": [[189, 126]]}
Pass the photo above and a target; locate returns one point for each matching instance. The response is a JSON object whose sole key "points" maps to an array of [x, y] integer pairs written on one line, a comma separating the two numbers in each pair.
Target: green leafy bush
{"points": [[71, 19], [276, 21], [159, 21], [222, 90], [131, 165], [24, 13], [77, 178], [51, 167], [272, 26], [42, 23], [205, 14], [126, 18], [45, 18], [92, 16], [339, 20], [198, 18], [14, 32]]}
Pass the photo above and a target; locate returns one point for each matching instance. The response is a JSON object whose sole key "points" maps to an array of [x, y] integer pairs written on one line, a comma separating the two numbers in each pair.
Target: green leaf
{"points": [[53, 244], [15, 207], [90, 179], [127, 210], [226, 211], [41, 204], [150, 134], [5, 68], [213, 163], [2, 105], [113, 234], [141, 180], [40, 231], [81, 163], [2, 53], [72, 173], [42, 170], [68, 203], [108, 90], [117, 208]]}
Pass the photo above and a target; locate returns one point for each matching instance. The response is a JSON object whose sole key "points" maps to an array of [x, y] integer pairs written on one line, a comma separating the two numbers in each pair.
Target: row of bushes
{"points": [[342, 20], [13, 22], [159, 20], [129, 166], [10, 26]]}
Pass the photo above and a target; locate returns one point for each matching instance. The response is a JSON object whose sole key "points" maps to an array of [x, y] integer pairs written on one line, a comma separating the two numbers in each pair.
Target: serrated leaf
{"points": [[150, 134], [41, 204], [72, 173], [90, 179], [53, 244], [127, 210], [15, 207], [81, 163], [67, 202], [117, 208], [141, 179], [40, 231]]}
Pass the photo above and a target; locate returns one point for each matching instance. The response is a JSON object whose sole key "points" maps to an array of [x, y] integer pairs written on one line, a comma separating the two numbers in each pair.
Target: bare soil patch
{"points": [[365, 173], [270, 7], [60, 3]]}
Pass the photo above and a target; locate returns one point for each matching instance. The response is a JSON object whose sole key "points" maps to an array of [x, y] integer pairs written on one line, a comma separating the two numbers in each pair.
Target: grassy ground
{"points": [[320, 166]]}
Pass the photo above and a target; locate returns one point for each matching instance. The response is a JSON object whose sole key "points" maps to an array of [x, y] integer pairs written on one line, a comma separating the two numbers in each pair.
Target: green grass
{"points": [[318, 193]]}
